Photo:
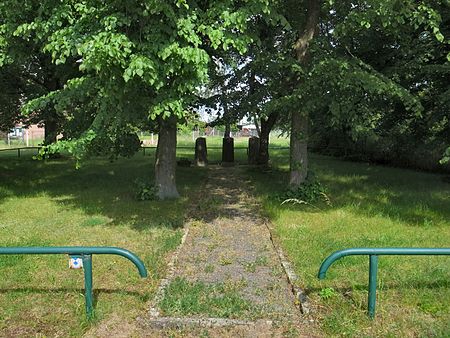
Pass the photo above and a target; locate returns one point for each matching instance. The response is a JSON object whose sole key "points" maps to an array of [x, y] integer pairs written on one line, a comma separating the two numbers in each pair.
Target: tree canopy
{"points": [[326, 71], [136, 60]]}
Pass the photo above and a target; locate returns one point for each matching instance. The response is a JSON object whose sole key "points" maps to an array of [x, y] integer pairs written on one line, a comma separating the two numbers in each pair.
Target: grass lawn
{"points": [[216, 141], [19, 143], [51, 204], [373, 206]]}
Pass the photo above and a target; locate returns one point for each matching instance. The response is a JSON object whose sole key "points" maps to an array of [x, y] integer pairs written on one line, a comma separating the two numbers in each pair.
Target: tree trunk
{"points": [[263, 153], [266, 128], [258, 129], [299, 119], [299, 149], [253, 150], [51, 117], [165, 164], [227, 130], [50, 131]]}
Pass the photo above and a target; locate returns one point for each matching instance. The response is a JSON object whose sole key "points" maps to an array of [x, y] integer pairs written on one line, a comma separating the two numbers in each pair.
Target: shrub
{"points": [[145, 191], [311, 191]]}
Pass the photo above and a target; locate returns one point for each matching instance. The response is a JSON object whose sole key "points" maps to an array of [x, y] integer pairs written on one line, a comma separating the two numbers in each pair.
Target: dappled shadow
{"points": [[416, 198], [99, 187], [225, 195], [97, 292], [108, 189]]}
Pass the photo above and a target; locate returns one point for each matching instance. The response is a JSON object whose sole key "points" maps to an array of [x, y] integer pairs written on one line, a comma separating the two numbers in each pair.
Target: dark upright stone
{"points": [[228, 151], [253, 150], [201, 153]]}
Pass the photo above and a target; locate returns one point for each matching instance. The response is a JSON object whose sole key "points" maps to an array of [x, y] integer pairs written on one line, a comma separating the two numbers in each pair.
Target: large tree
{"points": [[337, 45], [300, 118], [384, 85], [251, 84], [29, 75], [138, 60]]}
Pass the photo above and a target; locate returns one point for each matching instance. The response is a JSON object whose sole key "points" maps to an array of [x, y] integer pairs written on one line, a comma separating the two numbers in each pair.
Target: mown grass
{"points": [[51, 204], [373, 206], [216, 141], [184, 298], [14, 143]]}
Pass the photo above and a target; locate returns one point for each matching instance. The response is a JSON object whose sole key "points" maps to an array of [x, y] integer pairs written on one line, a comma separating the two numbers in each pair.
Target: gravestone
{"points": [[201, 153], [253, 150], [228, 151]]}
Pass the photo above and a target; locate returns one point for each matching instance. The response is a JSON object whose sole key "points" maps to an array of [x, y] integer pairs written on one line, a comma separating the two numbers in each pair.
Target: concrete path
{"points": [[227, 246], [229, 243]]}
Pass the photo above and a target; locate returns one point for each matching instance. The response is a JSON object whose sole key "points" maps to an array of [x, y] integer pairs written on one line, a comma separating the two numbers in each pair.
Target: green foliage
{"points": [[373, 206], [92, 206], [190, 125], [76, 148], [131, 63], [446, 157], [327, 293], [376, 87], [245, 85], [145, 191], [126, 144], [309, 192], [376, 67], [122, 142]]}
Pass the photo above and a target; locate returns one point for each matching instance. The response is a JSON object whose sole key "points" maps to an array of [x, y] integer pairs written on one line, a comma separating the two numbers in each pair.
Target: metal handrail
{"points": [[85, 253], [373, 254]]}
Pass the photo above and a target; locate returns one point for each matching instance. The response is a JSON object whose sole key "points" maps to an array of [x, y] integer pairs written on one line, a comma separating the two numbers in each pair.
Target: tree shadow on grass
{"points": [[97, 292], [108, 189], [226, 195], [99, 187], [417, 198], [142, 296]]}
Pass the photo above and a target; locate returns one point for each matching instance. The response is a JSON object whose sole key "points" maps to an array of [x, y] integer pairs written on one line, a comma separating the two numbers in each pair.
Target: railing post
{"points": [[85, 253], [373, 254], [373, 269], [87, 268]]}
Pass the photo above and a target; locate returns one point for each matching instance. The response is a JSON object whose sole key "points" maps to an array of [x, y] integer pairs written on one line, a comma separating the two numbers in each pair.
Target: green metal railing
{"points": [[373, 254], [85, 253]]}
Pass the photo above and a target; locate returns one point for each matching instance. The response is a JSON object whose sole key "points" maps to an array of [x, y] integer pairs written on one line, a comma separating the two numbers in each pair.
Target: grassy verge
{"points": [[373, 206], [50, 204], [183, 298]]}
